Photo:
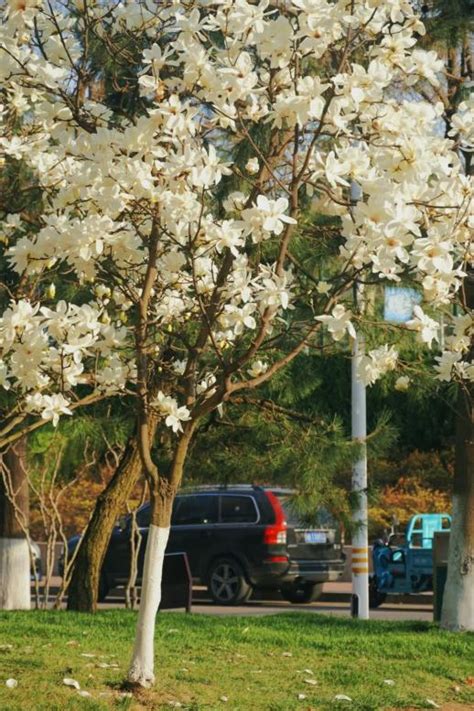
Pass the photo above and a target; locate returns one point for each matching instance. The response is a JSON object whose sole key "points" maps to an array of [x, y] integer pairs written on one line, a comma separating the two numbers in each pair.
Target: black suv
{"points": [[237, 538]]}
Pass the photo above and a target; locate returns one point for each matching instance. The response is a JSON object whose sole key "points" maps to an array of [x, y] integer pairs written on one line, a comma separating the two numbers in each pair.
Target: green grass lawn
{"points": [[254, 663]]}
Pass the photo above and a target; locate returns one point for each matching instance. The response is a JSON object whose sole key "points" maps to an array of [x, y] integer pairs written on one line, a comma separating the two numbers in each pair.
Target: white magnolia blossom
{"points": [[257, 368], [51, 407], [173, 413], [338, 322], [48, 352], [426, 327], [452, 363], [207, 385], [450, 366], [252, 166], [110, 185], [463, 123], [266, 217], [402, 383], [376, 363]]}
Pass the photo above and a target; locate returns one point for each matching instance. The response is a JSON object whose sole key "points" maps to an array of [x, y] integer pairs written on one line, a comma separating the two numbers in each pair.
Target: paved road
{"points": [[386, 612], [335, 601]]}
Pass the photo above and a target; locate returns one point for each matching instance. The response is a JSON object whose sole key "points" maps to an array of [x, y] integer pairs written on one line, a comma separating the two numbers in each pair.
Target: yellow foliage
{"points": [[407, 497]]}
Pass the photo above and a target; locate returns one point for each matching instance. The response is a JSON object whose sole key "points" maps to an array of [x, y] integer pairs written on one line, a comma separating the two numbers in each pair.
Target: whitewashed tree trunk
{"points": [[458, 602], [141, 669], [15, 585], [14, 574]]}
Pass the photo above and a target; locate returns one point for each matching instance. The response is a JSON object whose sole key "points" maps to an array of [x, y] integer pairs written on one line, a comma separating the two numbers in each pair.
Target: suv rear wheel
{"points": [[300, 593], [226, 582]]}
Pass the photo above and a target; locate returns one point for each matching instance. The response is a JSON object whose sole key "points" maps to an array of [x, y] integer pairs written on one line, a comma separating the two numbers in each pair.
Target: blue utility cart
{"points": [[404, 567]]}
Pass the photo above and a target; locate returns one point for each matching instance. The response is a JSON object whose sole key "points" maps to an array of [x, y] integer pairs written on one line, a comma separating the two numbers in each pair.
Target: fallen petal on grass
{"points": [[67, 681], [301, 697], [105, 665], [389, 682], [11, 683], [224, 699], [313, 682], [433, 703], [342, 697], [84, 693]]}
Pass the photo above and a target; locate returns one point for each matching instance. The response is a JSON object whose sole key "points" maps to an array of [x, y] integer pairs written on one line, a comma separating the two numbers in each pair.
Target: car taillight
{"points": [[276, 559], [276, 532]]}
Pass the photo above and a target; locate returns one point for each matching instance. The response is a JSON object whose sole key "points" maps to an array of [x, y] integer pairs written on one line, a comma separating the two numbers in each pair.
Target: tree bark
{"points": [[162, 494], [84, 585], [15, 593], [141, 669], [458, 603]]}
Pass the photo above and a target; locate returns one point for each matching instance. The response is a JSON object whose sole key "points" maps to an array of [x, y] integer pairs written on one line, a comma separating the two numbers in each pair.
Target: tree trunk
{"points": [[84, 585], [162, 495], [15, 583], [458, 602], [141, 669]]}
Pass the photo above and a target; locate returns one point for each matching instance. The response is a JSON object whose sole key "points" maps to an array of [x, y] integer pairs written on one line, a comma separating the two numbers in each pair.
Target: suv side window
{"points": [[144, 515], [238, 509], [198, 509]]}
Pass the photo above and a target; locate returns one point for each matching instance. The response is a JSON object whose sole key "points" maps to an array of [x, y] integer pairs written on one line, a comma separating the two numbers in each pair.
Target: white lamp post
{"points": [[360, 551]]}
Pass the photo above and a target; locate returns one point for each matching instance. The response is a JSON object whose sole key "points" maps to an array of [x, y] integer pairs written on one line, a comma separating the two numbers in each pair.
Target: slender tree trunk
{"points": [[162, 494], [458, 603], [84, 585], [15, 583], [141, 669]]}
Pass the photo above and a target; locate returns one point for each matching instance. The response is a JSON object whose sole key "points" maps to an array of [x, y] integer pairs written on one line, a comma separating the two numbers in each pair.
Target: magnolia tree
{"points": [[196, 292]]}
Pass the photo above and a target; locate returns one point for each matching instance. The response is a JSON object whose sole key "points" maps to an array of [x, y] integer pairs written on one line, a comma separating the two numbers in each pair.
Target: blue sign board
{"points": [[399, 303]]}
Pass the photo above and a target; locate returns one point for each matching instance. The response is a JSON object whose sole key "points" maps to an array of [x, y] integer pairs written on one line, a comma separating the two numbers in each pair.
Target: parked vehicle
{"points": [[406, 567], [237, 538]]}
